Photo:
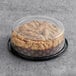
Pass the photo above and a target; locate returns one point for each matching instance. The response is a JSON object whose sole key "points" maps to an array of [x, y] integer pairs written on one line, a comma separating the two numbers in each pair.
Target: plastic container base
{"points": [[10, 48]]}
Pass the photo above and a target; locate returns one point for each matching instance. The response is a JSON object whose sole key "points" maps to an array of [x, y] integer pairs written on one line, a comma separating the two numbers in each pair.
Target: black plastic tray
{"points": [[38, 58]]}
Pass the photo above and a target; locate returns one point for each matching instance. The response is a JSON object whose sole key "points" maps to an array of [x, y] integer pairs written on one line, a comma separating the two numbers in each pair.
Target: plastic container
{"points": [[38, 37]]}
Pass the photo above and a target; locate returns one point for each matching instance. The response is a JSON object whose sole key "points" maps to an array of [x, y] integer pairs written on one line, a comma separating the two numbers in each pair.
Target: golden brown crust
{"points": [[38, 30], [38, 37]]}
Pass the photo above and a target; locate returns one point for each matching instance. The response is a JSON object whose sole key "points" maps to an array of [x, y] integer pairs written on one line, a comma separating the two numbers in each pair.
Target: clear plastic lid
{"points": [[38, 28]]}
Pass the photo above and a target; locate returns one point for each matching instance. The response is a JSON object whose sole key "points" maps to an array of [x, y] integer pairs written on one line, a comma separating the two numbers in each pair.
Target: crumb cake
{"points": [[37, 38]]}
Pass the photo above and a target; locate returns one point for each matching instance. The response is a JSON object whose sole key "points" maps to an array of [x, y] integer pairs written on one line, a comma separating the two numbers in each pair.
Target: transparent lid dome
{"points": [[38, 28]]}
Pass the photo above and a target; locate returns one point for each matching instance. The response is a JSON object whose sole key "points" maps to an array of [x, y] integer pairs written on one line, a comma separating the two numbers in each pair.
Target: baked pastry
{"points": [[37, 38]]}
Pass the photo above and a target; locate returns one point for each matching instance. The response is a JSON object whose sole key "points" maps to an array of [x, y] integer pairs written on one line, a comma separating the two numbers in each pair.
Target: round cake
{"points": [[37, 38]]}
